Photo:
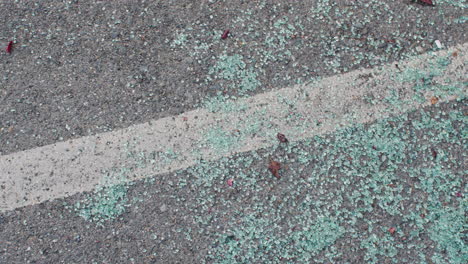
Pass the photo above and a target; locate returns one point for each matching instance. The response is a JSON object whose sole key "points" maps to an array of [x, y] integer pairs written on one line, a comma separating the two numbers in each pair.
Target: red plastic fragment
{"points": [[459, 194], [225, 34], [282, 138], [9, 48], [230, 182], [274, 168], [392, 230], [427, 2], [434, 153]]}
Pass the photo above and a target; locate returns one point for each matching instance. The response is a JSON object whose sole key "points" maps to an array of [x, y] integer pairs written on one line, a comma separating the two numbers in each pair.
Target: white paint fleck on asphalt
{"points": [[66, 168]]}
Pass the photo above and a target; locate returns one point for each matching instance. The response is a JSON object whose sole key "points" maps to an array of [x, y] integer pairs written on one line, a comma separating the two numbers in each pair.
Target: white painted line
{"points": [[177, 142]]}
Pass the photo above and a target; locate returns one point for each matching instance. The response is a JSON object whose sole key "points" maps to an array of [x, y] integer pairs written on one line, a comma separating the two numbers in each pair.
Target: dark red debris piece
{"points": [[230, 182], [392, 230], [9, 48], [225, 34], [434, 153], [459, 194], [274, 168], [426, 2], [282, 138]]}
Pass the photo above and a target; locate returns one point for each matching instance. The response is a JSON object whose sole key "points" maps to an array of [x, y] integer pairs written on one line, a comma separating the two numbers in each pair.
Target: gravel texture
{"points": [[393, 191], [83, 67]]}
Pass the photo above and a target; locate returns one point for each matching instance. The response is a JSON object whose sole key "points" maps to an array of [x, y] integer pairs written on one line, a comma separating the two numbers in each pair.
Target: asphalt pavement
{"points": [[233, 132]]}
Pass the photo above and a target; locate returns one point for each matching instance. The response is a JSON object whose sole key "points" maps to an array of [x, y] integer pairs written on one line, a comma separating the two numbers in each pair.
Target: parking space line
{"points": [[225, 127]]}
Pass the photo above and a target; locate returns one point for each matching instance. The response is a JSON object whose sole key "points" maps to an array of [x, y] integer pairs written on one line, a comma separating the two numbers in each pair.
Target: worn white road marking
{"points": [[222, 129]]}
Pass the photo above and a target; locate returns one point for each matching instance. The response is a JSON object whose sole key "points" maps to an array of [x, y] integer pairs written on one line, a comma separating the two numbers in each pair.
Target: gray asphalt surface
{"points": [[181, 218], [84, 67]]}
